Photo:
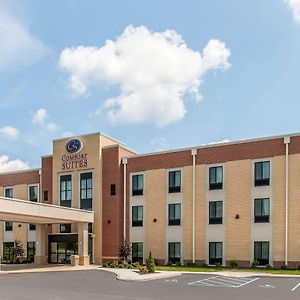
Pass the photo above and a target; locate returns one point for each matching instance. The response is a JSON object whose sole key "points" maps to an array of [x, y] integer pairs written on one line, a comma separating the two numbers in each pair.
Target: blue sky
{"points": [[173, 74]]}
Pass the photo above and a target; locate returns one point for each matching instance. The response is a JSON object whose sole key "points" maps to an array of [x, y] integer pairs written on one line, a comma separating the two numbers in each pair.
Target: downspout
{"points": [[194, 153], [124, 161], [286, 142]]}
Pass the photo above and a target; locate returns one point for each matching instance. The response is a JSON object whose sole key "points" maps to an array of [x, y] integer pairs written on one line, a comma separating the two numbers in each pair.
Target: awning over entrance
{"points": [[40, 213]]}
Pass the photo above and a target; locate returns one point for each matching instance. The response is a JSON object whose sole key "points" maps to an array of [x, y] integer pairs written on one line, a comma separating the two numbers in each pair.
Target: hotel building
{"points": [[208, 204]]}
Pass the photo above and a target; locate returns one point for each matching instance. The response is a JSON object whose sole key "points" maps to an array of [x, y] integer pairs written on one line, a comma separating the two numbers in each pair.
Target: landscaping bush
{"points": [[142, 269], [129, 266], [269, 267], [218, 266], [284, 267], [204, 265], [233, 264], [112, 265], [193, 265], [254, 263], [150, 263], [121, 266], [105, 265], [169, 263], [125, 251]]}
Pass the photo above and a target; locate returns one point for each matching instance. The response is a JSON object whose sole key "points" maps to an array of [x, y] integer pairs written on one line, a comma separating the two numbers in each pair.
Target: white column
{"points": [[83, 239], [194, 153], [286, 142], [124, 161], [40, 247]]}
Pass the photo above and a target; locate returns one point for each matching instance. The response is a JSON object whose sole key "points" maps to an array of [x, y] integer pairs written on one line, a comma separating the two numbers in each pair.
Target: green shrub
{"points": [[218, 266], [105, 265], [269, 267], [193, 265], [233, 264], [129, 266], [254, 263], [121, 266], [150, 263], [142, 269], [169, 263], [135, 264], [112, 265], [204, 265], [284, 267]]}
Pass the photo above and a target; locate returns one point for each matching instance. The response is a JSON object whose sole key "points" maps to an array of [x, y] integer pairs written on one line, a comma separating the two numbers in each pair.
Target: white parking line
{"points": [[296, 287], [221, 281]]}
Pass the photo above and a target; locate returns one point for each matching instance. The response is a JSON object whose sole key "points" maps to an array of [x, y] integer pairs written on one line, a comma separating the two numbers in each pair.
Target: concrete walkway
{"points": [[134, 275]]}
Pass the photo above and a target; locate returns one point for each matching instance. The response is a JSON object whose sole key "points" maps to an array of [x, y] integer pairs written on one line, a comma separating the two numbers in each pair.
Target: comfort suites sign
{"points": [[74, 159]]}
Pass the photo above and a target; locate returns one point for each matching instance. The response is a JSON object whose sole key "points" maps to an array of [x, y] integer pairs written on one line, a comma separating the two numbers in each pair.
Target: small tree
{"points": [[18, 250], [150, 263], [125, 251]]}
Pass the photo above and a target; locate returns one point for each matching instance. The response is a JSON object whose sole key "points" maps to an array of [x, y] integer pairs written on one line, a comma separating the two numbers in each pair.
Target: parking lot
{"points": [[97, 284]]}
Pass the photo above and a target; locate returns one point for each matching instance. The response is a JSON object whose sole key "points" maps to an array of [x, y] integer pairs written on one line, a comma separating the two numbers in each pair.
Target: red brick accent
{"points": [[47, 178], [112, 206], [294, 146], [26, 177], [240, 263]]}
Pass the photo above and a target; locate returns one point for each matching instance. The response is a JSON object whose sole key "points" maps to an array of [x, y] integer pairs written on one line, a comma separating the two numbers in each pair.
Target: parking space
{"points": [[222, 281], [287, 286]]}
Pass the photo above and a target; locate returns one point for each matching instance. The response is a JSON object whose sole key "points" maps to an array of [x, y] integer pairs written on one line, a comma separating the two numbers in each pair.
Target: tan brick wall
{"points": [[278, 208], [155, 185], [238, 201], [200, 212], [294, 208], [187, 212]]}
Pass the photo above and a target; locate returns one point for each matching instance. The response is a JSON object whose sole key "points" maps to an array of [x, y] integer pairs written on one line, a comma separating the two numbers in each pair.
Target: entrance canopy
{"points": [[21, 211]]}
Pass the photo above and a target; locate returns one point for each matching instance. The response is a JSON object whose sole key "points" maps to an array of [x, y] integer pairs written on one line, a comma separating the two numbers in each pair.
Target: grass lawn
{"points": [[213, 269]]}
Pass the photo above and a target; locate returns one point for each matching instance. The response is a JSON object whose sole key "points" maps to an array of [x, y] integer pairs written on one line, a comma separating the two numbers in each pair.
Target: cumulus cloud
{"points": [[7, 165], [10, 132], [39, 116], [294, 6], [52, 127], [19, 47], [154, 71], [160, 143]]}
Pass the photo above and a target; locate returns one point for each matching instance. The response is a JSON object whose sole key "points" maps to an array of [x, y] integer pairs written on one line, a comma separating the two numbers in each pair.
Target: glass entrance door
{"points": [[61, 247]]}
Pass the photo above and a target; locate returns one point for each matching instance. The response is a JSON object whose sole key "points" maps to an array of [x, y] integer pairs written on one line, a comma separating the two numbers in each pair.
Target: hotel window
{"points": [[137, 252], [32, 227], [45, 195], [33, 193], [174, 214], [137, 216], [65, 190], [261, 252], [65, 228], [215, 212], [8, 248], [174, 253], [215, 253], [174, 181], [8, 226], [30, 251], [112, 189], [9, 193], [262, 210], [262, 173], [216, 178], [137, 185], [86, 191]]}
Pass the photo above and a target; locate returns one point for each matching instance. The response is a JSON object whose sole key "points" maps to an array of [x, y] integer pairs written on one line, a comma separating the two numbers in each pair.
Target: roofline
{"points": [[121, 146], [90, 134], [46, 156], [20, 171], [215, 145]]}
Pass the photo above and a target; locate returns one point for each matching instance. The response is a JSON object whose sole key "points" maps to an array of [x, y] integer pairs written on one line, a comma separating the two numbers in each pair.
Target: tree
{"points": [[125, 251], [18, 250], [150, 263]]}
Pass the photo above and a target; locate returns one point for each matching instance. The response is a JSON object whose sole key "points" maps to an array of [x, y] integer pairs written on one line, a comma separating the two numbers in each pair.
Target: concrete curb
{"points": [[133, 275]]}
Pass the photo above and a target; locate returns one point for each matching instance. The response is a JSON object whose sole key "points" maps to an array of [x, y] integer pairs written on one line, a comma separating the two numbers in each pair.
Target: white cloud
{"points": [[160, 144], [39, 116], [7, 165], [219, 142], [67, 134], [10, 132], [153, 70], [19, 47], [294, 6], [52, 127]]}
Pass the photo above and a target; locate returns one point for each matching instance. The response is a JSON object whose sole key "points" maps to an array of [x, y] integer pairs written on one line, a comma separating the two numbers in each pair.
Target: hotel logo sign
{"points": [[74, 159]]}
